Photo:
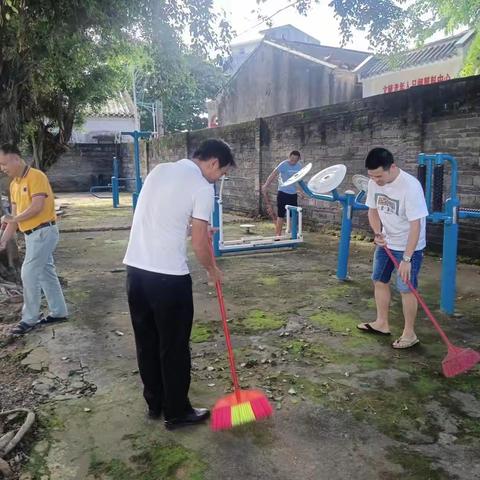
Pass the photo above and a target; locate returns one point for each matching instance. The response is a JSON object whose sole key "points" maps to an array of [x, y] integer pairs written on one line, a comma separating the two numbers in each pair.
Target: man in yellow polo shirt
{"points": [[33, 213]]}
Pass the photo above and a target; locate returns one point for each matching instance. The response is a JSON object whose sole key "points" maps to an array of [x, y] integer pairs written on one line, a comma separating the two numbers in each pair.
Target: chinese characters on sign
{"points": [[396, 87]]}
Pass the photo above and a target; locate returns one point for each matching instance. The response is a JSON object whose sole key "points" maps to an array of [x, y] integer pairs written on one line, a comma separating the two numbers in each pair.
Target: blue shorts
{"points": [[383, 268]]}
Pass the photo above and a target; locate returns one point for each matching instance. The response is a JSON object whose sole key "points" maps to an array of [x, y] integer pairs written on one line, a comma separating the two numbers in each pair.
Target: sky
{"points": [[319, 22]]}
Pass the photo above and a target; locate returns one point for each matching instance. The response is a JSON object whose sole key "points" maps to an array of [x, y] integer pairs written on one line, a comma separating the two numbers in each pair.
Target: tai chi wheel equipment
{"points": [[328, 179]]}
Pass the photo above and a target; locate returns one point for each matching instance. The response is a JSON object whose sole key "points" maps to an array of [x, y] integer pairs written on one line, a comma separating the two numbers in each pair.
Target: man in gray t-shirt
{"points": [[397, 214], [285, 195]]}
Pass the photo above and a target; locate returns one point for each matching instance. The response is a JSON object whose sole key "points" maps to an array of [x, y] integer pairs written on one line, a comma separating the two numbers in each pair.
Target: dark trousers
{"points": [[161, 309]]}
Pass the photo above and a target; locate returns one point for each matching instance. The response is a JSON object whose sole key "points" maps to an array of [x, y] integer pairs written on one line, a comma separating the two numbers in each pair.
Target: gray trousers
{"points": [[39, 275]]}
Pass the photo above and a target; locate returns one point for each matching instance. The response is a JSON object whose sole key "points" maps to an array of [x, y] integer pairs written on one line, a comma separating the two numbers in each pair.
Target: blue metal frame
{"points": [[116, 183], [137, 135], [218, 251], [449, 217], [349, 203]]}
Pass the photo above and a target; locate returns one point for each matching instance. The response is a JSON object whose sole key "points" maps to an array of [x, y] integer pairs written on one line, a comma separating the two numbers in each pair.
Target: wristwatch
{"points": [[407, 259]]}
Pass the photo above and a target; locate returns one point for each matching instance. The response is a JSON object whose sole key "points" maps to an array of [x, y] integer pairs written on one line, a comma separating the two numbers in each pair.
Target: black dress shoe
{"points": [[197, 415]]}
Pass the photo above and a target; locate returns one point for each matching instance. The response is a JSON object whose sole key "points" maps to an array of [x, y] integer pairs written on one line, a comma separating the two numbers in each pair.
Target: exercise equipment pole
{"points": [[115, 184], [345, 235], [137, 135], [450, 239]]}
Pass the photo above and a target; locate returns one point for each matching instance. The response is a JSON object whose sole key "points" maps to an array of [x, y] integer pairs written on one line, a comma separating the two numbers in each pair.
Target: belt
{"points": [[38, 227]]}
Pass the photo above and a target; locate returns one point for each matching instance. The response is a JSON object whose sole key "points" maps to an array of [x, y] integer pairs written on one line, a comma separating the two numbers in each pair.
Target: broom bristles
{"points": [[261, 407], [459, 361], [230, 412]]}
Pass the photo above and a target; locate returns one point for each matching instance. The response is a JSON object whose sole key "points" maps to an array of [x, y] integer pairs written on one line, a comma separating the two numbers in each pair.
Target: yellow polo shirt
{"points": [[31, 184]]}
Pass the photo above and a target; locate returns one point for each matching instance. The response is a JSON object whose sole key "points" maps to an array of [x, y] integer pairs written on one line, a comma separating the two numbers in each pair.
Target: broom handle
{"points": [[421, 301], [231, 358], [223, 313]]}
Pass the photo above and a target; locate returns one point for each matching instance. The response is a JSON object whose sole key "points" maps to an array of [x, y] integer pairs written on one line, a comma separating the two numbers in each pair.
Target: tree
{"points": [[58, 58], [184, 102], [184, 108], [448, 16]]}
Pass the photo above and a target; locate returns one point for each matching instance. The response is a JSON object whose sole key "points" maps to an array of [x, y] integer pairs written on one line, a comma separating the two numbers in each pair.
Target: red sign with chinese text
{"points": [[396, 87]]}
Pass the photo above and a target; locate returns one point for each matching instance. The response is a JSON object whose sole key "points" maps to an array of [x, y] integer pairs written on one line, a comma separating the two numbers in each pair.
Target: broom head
{"points": [[238, 408], [459, 360]]}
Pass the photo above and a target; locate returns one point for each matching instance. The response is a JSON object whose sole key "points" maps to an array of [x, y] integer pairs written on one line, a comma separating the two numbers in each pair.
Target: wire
{"points": [[266, 19]]}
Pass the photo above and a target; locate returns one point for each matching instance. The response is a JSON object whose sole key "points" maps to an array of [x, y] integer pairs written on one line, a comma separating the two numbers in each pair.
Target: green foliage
{"points": [[195, 81], [59, 58]]}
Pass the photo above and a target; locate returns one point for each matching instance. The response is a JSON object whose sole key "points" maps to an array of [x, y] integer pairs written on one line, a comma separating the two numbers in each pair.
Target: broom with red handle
{"points": [[458, 360], [242, 406]]}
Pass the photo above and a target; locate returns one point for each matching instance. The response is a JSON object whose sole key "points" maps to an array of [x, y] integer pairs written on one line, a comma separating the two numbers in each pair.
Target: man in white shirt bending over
{"points": [[159, 286], [397, 214]]}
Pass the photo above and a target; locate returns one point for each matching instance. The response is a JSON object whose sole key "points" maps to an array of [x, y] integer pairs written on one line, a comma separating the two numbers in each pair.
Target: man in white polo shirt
{"points": [[159, 286]]}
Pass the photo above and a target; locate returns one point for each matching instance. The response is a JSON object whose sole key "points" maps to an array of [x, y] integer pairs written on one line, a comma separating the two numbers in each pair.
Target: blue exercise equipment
{"points": [[326, 181], [431, 176], [116, 185], [137, 135], [112, 189], [254, 243]]}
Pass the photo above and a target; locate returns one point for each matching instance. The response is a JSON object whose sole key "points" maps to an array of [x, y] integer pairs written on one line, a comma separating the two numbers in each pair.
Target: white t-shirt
{"points": [[398, 203], [172, 193]]}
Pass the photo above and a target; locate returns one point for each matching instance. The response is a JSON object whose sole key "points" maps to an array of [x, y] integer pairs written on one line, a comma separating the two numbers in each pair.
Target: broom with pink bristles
{"points": [[458, 360], [242, 406]]}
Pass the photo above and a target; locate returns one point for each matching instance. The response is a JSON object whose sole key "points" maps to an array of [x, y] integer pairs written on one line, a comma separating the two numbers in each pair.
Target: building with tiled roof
{"points": [[282, 76], [432, 63], [104, 124], [241, 49], [341, 57]]}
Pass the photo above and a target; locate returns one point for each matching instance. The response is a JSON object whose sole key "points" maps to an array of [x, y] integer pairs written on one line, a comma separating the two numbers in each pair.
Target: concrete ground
{"points": [[347, 406]]}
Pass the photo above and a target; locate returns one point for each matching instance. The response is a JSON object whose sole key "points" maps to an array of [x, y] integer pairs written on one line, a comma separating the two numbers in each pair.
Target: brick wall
{"points": [[85, 165], [441, 117]]}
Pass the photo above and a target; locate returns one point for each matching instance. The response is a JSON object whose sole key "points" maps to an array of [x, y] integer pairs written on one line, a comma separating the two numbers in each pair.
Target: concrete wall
{"points": [[273, 81], [441, 117], [86, 165]]}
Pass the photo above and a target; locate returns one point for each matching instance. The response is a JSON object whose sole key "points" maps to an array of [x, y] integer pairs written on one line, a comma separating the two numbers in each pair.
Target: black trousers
{"points": [[161, 309]]}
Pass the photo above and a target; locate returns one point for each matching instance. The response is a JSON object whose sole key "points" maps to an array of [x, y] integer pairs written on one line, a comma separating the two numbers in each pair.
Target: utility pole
{"points": [[159, 118], [134, 86]]}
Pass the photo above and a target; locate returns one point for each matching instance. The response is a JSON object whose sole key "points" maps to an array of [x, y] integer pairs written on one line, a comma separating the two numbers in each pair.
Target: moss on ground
{"points": [[316, 351], [415, 465], [258, 320], [200, 333], [166, 462], [337, 322], [269, 280], [37, 465]]}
